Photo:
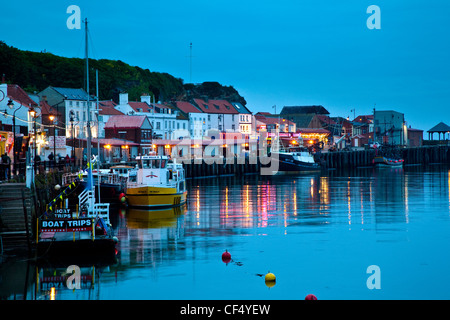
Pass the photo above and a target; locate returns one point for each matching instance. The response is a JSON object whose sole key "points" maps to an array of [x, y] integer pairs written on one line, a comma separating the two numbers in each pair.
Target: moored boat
{"points": [[294, 160], [387, 156], [384, 162], [156, 183]]}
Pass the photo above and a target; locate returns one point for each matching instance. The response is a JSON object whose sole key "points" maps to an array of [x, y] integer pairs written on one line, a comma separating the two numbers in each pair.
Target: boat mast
{"points": [[98, 136], [88, 125]]}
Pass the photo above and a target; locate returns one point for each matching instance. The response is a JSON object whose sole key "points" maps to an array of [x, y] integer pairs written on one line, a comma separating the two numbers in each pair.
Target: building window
{"points": [[158, 125]]}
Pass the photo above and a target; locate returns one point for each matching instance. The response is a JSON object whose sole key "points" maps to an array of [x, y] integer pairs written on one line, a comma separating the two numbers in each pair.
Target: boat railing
{"points": [[86, 199], [68, 178]]}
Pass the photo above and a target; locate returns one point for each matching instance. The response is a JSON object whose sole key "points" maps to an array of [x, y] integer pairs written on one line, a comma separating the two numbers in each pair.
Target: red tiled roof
{"points": [[364, 118], [187, 107], [216, 106], [47, 110], [107, 108], [17, 94], [272, 120], [139, 105], [124, 122]]}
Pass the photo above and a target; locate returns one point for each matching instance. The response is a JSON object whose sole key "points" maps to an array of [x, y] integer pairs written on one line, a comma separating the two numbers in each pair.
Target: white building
{"points": [[166, 122], [197, 125]]}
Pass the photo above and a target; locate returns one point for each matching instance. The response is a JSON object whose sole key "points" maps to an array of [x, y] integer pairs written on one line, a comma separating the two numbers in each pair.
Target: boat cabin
{"points": [[157, 170]]}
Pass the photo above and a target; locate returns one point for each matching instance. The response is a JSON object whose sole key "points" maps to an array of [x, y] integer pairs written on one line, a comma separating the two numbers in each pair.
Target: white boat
{"points": [[294, 159], [156, 182]]}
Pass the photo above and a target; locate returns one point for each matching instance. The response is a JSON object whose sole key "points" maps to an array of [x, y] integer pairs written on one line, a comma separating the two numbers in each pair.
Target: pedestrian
{"points": [[6, 161]]}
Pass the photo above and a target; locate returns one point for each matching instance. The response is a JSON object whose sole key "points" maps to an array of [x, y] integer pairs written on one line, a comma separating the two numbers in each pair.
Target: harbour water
{"points": [[318, 233]]}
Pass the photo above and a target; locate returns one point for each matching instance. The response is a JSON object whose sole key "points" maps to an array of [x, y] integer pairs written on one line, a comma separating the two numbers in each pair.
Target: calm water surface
{"points": [[318, 233]]}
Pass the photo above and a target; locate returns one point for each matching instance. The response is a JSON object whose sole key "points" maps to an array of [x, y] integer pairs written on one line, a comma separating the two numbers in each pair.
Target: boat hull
{"points": [[382, 162], [291, 167], [155, 197]]}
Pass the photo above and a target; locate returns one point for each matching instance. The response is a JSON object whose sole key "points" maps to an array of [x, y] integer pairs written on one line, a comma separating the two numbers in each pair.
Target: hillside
{"points": [[35, 71]]}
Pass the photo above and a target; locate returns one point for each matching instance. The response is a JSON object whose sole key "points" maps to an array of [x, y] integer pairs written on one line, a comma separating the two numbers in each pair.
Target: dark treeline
{"points": [[35, 71]]}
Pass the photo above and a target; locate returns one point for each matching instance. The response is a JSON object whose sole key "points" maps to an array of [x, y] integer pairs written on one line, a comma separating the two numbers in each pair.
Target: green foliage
{"points": [[37, 71]]}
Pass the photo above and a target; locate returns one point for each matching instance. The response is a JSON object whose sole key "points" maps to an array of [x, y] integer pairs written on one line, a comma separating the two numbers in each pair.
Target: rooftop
{"points": [[125, 122], [72, 93], [16, 93]]}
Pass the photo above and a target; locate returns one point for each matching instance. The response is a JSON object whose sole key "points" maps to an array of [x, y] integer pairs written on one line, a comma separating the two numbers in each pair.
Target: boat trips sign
{"points": [[66, 225]]}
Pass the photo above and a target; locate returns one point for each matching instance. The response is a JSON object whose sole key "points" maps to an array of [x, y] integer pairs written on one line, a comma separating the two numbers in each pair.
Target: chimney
{"points": [[146, 98], [123, 98]]}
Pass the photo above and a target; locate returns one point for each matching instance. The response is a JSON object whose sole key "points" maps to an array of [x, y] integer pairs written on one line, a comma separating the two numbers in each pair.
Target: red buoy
{"points": [[226, 256], [310, 297]]}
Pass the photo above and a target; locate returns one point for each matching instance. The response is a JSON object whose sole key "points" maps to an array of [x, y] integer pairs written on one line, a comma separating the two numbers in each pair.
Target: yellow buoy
{"points": [[270, 279]]}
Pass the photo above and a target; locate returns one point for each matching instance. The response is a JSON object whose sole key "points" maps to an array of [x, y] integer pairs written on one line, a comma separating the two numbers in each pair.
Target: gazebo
{"points": [[439, 128]]}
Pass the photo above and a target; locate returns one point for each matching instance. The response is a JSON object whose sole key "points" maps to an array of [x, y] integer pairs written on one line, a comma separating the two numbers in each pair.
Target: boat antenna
{"points": [[88, 125]]}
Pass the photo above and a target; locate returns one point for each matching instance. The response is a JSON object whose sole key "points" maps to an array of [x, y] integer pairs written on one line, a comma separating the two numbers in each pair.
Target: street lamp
{"points": [[34, 115], [52, 119], [72, 120], [10, 104]]}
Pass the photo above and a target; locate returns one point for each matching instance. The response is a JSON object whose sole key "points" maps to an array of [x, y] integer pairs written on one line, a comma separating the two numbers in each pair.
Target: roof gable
{"points": [[316, 109], [440, 127], [216, 106], [125, 122], [72, 93], [16, 93], [187, 107]]}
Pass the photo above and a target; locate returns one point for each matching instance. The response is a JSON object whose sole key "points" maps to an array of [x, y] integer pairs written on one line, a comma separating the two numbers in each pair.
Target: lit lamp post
{"points": [[52, 119], [34, 115], [72, 120], [16, 149]]}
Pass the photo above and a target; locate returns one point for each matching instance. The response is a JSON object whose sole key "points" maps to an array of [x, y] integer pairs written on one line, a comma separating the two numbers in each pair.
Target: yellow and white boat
{"points": [[156, 182]]}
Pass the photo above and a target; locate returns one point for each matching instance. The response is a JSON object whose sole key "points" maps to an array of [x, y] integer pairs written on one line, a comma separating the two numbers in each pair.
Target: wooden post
{"points": [[37, 230], [93, 230]]}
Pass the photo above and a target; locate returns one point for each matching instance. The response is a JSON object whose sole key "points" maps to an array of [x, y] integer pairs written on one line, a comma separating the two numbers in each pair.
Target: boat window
{"points": [[163, 164], [156, 163]]}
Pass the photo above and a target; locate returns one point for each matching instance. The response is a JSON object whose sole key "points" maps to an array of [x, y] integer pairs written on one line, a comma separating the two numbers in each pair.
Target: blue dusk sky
{"points": [[283, 53]]}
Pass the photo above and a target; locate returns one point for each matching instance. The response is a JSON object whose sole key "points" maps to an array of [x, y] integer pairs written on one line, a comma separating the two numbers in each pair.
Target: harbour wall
{"points": [[425, 155]]}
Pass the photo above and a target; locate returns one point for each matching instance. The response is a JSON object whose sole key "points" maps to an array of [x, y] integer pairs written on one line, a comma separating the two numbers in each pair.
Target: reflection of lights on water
{"points": [[52, 293], [324, 196], [226, 202], [349, 204], [405, 186], [294, 199], [198, 206], [448, 187]]}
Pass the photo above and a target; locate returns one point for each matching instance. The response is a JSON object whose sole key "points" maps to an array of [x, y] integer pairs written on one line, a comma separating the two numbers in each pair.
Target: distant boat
{"points": [[294, 159], [156, 183], [387, 156], [385, 162]]}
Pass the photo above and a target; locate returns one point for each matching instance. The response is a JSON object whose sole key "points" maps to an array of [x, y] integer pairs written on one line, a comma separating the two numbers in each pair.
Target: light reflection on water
{"points": [[317, 233]]}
